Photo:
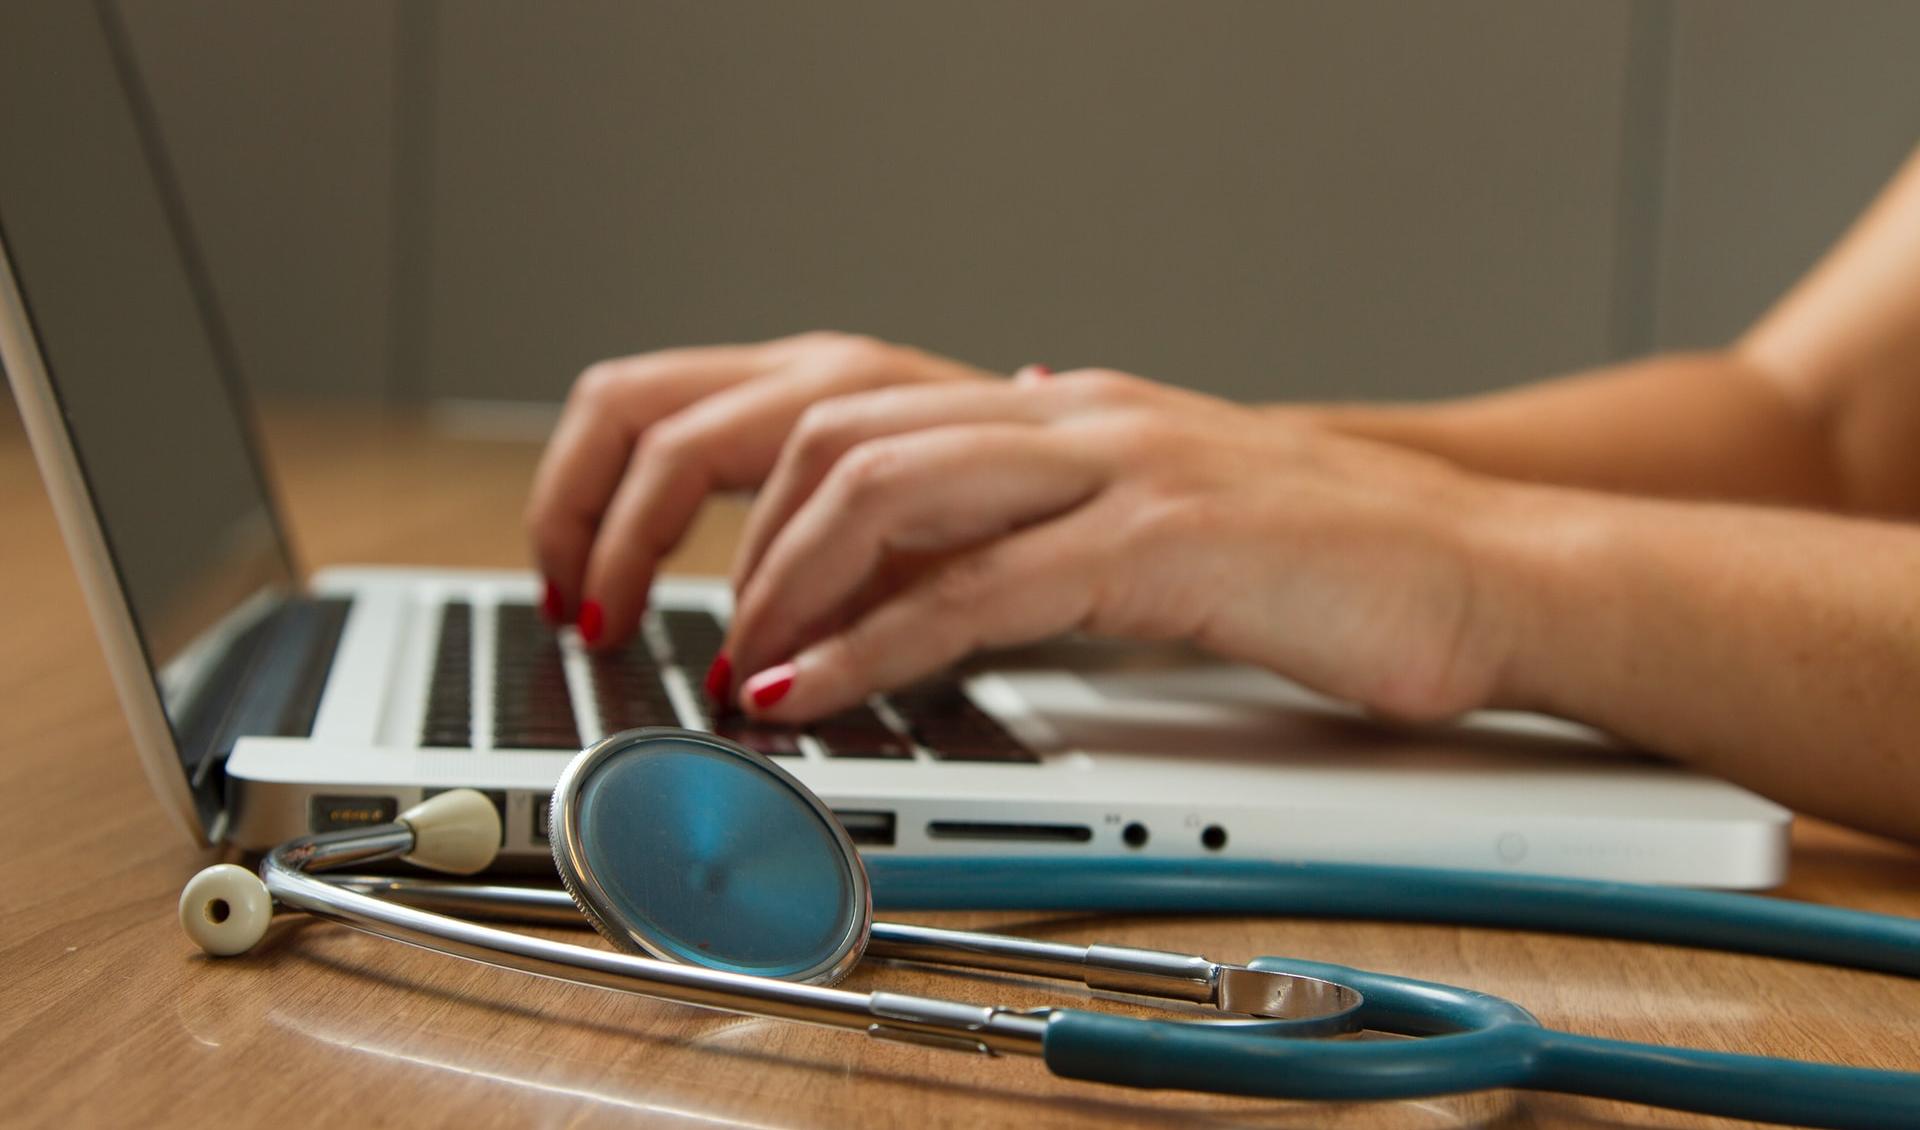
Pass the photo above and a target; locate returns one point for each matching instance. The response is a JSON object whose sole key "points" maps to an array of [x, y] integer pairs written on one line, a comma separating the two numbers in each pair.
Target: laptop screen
{"points": [[130, 342]]}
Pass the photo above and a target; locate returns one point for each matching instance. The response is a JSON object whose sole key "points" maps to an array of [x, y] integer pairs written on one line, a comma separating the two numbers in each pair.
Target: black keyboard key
{"points": [[450, 690], [859, 732], [771, 740], [695, 638], [628, 690], [970, 743], [942, 718], [537, 739], [532, 708]]}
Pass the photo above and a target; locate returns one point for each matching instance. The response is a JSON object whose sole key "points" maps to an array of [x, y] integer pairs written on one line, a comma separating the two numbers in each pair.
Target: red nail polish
{"points": [[1039, 370], [719, 678], [770, 686], [551, 606], [593, 620]]}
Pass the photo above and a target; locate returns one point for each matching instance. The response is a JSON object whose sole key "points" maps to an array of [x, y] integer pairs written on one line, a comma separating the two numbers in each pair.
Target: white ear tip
{"points": [[457, 831], [225, 909]]}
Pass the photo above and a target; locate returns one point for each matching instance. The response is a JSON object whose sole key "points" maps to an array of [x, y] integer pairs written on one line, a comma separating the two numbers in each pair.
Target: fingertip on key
{"points": [[719, 681], [769, 686], [592, 622]]}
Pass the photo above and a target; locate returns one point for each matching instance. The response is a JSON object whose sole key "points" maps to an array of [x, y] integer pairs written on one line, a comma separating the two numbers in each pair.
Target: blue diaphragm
{"points": [[689, 847]]}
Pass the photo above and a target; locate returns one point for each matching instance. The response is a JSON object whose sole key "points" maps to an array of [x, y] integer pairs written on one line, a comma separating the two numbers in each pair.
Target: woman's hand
{"points": [[643, 440], [1103, 503]]}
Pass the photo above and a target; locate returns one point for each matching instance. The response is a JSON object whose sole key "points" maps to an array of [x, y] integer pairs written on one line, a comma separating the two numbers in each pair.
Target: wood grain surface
{"points": [[110, 1017]]}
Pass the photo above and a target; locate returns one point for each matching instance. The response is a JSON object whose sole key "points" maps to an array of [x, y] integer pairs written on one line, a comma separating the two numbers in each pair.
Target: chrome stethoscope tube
{"points": [[898, 1016], [1120, 969], [420, 912]]}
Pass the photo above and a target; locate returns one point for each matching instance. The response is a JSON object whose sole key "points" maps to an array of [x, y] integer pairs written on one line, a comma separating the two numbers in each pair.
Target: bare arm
{"points": [[1775, 648], [1780, 649], [1817, 405]]}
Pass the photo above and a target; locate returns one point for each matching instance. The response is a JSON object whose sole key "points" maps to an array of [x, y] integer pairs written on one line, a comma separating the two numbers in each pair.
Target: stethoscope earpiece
{"points": [[225, 909]]}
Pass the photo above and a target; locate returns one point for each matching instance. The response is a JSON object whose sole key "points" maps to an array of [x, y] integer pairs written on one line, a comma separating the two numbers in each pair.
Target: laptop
{"points": [[266, 703]]}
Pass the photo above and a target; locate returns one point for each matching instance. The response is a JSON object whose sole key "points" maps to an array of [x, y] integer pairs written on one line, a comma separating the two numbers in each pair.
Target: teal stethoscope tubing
{"points": [[1475, 1041], [1674, 915]]}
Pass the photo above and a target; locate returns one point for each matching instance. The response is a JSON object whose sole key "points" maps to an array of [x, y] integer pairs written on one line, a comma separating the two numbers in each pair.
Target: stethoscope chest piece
{"points": [[690, 848]]}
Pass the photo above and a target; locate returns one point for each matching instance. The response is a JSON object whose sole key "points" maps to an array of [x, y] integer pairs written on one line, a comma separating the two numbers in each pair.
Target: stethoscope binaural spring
{"points": [[723, 882]]}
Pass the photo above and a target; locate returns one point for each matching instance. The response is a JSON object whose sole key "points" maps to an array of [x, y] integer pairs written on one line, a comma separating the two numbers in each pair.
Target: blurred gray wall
{"points": [[1263, 199], [1785, 120]]}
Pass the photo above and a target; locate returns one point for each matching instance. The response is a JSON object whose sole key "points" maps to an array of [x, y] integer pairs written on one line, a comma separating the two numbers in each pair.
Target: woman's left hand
{"points": [[904, 528]]}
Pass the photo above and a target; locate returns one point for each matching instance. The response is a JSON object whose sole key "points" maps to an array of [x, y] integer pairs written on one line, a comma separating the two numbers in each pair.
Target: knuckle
{"points": [[1135, 439], [823, 429], [961, 585], [814, 339], [1167, 518], [550, 525], [672, 441], [868, 471], [599, 384], [847, 655], [1109, 385], [852, 353]]}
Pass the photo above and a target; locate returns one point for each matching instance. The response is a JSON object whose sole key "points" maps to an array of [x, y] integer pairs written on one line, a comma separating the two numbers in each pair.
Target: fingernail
{"points": [[770, 686], [1032, 372], [593, 619], [550, 604], [719, 678]]}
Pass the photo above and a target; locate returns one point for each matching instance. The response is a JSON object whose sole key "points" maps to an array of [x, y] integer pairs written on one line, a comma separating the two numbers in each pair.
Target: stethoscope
{"points": [[723, 882]]}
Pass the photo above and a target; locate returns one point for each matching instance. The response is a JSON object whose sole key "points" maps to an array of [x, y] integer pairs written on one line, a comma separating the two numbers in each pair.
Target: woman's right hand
{"points": [[644, 439]]}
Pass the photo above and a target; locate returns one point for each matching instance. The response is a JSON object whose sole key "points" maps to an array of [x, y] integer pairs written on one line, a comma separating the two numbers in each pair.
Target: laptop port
{"points": [[1015, 833], [868, 829], [332, 813]]}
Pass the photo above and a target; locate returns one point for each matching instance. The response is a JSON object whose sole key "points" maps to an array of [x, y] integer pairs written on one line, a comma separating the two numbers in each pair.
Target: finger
{"points": [[1029, 586], [831, 428], [926, 492], [609, 408], [724, 441]]}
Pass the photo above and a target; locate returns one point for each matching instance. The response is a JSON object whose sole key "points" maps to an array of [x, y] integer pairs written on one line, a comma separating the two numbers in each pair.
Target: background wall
{"points": [[1259, 198]]}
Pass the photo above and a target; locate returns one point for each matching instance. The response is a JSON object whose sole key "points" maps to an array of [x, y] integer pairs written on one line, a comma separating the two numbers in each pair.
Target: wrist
{"points": [[1542, 589]]}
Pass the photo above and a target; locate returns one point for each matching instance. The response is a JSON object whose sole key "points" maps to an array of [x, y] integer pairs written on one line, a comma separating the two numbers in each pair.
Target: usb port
{"points": [[870, 829]]}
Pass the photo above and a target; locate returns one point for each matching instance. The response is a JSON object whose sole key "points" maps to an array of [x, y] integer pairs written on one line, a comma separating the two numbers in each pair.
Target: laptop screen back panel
{"points": [[121, 369]]}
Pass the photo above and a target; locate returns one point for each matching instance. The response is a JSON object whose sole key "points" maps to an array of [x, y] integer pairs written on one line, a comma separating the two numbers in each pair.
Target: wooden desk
{"points": [[108, 1016]]}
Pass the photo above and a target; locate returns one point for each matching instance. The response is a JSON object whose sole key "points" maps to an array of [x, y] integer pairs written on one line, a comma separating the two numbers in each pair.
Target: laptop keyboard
{"points": [[450, 695], [533, 709], [531, 706]]}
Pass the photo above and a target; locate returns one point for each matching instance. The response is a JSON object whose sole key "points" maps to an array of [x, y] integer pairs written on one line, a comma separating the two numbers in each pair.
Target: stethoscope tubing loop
{"points": [[1473, 1041]]}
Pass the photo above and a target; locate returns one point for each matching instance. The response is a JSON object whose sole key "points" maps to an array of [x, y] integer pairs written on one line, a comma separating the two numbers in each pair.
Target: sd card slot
{"points": [[1010, 832]]}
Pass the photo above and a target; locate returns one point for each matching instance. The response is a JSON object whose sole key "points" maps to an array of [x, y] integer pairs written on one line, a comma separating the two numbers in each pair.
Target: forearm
{"points": [[1779, 649], [1704, 425]]}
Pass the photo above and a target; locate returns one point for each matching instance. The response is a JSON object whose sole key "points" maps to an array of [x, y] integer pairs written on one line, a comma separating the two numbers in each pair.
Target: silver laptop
{"points": [[266, 704]]}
